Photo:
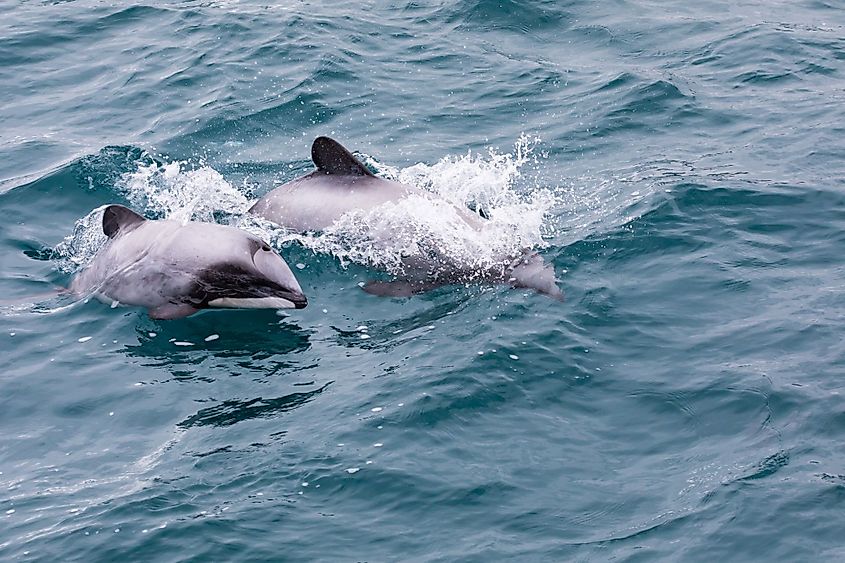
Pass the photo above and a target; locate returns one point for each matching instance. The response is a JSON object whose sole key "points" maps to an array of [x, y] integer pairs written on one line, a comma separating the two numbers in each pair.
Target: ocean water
{"points": [[682, 166]]}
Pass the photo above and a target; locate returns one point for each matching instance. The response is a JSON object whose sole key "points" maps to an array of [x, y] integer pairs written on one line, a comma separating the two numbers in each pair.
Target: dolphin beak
{"points": [[298, 299], [275, 269]]}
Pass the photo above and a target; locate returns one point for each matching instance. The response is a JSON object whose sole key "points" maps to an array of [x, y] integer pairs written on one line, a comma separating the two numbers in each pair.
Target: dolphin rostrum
{"points": [[342, 184], [175, 269]]}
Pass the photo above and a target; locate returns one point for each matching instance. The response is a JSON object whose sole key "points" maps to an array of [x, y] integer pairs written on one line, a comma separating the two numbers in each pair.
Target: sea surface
{"points": [[681, 164]]}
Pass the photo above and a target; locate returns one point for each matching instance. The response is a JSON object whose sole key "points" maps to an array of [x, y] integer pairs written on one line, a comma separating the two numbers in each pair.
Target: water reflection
{"points": [[415, 319], [233, 411], [233, 343]]}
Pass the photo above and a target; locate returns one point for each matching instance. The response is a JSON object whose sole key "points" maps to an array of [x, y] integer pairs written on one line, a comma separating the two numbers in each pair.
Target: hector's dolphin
{"points": [[176, 269], [342, 184]]}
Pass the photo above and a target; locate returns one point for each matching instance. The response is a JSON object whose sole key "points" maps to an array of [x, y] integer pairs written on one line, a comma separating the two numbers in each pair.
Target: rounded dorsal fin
{"points": [[117, 218], [330, 157]]}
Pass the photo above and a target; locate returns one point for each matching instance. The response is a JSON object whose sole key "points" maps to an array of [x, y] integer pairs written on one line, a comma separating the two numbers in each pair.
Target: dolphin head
{"points": [[175, 269], [252, 277]]}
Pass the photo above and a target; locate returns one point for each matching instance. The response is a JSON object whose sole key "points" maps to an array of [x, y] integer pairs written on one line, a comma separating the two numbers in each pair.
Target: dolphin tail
{"points": [[532, 272]]}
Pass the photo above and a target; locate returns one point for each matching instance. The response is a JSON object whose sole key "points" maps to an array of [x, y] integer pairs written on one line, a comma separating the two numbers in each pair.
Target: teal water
{"points": [[683, 403]]}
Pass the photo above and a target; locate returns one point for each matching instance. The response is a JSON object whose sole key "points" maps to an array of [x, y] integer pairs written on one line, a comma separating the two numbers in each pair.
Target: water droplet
{"points": [[212, 337], [376, 409], [352, 470], [85, 339]]}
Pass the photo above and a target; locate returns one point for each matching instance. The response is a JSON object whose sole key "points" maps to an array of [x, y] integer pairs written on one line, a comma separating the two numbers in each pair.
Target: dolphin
{"points": [[342, 184], [175, 269]]}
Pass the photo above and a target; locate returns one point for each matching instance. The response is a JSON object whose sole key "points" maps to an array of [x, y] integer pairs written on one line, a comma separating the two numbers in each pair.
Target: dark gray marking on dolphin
{"points": [[117, 216], [330, 157], [342, 184], [176, 269]]}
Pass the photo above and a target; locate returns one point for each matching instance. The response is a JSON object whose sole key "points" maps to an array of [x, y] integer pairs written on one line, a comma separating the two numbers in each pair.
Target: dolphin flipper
{"points": [[399, 288], [330, 157], [170, 311]]}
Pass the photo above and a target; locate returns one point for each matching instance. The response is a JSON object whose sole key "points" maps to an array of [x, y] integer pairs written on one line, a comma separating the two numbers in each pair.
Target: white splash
{"points": [[79, 247], [181, 193]]}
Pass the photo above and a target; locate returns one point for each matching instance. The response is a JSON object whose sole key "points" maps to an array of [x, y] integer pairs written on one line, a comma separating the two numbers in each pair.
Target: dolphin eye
{"points": [[265, 247]]}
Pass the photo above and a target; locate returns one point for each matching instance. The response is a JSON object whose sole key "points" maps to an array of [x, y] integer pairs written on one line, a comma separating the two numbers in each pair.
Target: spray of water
{"points": [[181, 193], [79, 247]]}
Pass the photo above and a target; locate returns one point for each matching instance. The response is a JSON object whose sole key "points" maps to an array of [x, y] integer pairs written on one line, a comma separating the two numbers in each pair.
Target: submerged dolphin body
{"points": [[176, 269], [342, 184]]}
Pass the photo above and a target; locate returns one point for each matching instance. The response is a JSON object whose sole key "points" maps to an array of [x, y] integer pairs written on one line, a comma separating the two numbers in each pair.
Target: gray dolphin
{"points": [[341, 183], [176, 269]]}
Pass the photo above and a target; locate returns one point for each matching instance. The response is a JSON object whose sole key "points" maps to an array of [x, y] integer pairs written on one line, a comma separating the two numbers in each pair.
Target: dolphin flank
{"points": [[342, 184], [176, 269]]}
